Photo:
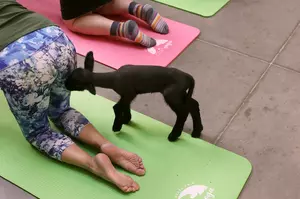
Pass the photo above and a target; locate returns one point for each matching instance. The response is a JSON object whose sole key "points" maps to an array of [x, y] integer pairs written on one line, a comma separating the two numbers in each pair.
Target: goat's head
{"points": [[82, 78]]}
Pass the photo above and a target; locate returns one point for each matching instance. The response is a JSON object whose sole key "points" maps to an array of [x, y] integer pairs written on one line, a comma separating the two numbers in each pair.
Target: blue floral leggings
{"points": [[32, 74]]}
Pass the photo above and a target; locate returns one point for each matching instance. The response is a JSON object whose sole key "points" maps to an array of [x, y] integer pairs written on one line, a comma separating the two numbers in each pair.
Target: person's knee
{"points": [[70, 24], [57, 114], [51, 143], [74, 24], [71, 121]]}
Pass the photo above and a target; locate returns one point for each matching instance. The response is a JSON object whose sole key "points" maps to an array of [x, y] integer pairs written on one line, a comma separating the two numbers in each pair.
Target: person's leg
{"points": [[62, 148], [73, 122], [99, 165], [123, 158], [90, 24], [145, 12], [97, 25], [26, 85], [59, 146]]}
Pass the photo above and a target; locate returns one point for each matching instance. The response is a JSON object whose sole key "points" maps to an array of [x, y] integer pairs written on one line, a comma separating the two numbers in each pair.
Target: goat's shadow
{"points": [[124, 135], [135, 125]]}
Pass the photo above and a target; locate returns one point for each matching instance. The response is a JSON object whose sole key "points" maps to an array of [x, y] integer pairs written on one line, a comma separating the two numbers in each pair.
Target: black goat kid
{"points": [[131, 80]]}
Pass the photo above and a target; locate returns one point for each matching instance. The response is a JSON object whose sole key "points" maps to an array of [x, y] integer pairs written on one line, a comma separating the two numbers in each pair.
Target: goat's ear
{"points": [[91, 88], [89, 61]]}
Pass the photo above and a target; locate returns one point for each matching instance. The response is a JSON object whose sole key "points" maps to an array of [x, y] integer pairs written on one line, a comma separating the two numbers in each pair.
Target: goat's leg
{"points": [[118, 117], [126, 117], [126, 101], [196, 117], [175, 100], [182, 114], [122, 108]]}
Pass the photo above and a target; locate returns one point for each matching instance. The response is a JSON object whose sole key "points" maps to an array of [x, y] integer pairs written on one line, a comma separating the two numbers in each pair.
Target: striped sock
{"points": [[130, 30], [149, 15]]}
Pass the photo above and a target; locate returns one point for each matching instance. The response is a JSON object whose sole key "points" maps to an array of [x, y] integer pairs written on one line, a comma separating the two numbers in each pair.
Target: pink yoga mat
{"points": [[115, 53]]}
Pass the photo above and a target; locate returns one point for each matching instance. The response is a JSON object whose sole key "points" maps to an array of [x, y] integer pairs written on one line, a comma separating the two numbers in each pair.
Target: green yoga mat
{"points": [[205, 8], [180, 170]]}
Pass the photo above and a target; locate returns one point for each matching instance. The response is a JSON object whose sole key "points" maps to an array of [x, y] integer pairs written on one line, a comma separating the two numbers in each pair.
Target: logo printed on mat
{"points": [[195, 192], [161, 46]]}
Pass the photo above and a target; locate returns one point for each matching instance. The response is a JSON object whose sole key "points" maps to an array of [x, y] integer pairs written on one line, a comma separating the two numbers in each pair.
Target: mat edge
{"points": [[207, 15]]}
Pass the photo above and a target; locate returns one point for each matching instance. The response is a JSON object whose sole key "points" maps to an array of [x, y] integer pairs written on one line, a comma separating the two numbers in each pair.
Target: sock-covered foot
{"points": [[149, 15], [131, 31]]}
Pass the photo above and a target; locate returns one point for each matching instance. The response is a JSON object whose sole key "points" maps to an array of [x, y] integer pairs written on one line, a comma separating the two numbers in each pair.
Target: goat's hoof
{"points": [[116, 128], [126, 121], [196, 135], [172, 138]]}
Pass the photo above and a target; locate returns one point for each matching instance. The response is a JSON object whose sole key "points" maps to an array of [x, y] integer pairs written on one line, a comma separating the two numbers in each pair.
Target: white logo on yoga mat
{"points": [[161, 45], [195, 192]]}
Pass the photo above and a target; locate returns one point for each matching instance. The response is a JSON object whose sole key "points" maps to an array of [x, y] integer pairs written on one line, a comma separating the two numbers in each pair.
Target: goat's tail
{"points": [[191, 87]]}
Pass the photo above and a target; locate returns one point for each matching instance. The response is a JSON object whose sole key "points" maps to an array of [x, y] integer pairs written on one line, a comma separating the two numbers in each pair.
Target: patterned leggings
{"points": [[32, 74]]}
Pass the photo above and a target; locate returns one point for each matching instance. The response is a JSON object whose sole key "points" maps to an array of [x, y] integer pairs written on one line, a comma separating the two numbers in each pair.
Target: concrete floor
{"points": [[247, 71]]}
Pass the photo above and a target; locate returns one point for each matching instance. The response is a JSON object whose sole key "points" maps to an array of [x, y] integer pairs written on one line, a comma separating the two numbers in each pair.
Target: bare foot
{"points": [[103, 168], [125, 159]]}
